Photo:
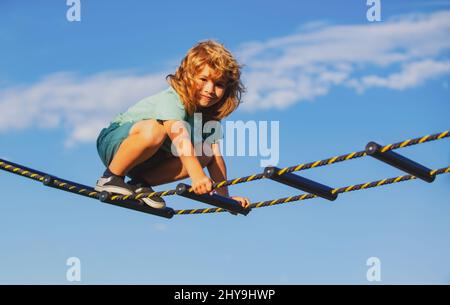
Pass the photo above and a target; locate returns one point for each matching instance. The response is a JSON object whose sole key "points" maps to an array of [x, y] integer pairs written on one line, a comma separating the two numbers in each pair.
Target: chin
{"points": [[205, 104]]}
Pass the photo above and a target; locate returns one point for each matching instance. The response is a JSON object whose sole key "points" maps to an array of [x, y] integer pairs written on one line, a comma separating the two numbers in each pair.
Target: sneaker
{"points": [[155, 202], [113, 184]]}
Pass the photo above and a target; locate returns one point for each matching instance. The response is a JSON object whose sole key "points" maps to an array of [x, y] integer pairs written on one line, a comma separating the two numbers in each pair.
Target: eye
{"points": [[220, 85]]}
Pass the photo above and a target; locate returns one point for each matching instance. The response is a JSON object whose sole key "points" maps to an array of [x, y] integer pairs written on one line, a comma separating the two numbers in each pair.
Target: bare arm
{"points": [[181, 139], [218, 170]]}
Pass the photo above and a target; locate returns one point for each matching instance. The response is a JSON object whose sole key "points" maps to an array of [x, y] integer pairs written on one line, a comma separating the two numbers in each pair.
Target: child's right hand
{"points": [[202, 185]]}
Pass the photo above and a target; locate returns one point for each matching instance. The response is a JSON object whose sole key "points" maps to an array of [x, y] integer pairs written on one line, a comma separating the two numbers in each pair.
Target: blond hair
{"points": [[218, 58]]}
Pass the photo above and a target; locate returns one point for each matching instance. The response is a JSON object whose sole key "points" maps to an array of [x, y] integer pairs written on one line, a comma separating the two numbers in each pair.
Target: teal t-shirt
{"points": [[167, 105]]}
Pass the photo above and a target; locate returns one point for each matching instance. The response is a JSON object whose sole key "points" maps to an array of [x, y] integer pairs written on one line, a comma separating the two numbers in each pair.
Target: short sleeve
{"points": [[169, 107]]}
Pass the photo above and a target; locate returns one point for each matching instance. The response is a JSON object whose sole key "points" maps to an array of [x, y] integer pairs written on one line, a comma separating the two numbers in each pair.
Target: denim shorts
{"points": [[108, 143]]}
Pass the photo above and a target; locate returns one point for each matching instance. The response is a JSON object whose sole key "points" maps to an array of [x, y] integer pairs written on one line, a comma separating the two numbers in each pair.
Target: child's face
{"points": [[210, 87]]}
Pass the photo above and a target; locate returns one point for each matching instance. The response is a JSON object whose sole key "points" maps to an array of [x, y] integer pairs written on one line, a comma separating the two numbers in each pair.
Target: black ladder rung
{"points": [[137, 205], [300, 183], [215, 200], [394, 159]]}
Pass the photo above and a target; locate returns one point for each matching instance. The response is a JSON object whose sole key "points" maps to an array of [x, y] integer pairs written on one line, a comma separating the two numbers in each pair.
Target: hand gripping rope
{"points": [[281, 175]]}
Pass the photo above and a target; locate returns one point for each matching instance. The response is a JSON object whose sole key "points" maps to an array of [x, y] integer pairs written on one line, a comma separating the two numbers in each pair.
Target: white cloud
{"points": [[82, 106], [397, 54], [160, 227], [411, 75], [286, 70]]}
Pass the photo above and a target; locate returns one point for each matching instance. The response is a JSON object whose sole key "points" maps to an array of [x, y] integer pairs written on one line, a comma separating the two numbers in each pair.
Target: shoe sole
{"points": [[122, 191], [153, 204], [113, 189]]}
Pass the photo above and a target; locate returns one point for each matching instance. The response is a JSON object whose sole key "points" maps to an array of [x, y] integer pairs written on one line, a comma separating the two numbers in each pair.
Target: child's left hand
{"points": [[243, 201]]}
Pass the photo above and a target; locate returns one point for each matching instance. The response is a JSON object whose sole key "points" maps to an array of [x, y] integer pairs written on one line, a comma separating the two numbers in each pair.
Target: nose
{"points": [[209, 88]]}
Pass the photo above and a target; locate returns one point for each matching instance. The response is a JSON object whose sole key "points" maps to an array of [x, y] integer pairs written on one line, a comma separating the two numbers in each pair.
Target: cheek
{"points": [[198, 89], [198, 86], [220, 92]]}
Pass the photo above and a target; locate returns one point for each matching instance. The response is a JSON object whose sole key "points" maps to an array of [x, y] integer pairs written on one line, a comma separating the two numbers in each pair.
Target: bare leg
{"points": [[170, 170], [143, 141]]}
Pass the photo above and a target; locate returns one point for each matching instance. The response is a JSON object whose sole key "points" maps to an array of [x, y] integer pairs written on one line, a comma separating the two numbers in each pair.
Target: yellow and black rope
{"points": [[90, 192], [300, 197], [360, 154], [301, 167], [57, 183]]}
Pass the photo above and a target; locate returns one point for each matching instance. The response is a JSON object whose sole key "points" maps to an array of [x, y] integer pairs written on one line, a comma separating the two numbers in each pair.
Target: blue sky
{"points": [[333, 80]]}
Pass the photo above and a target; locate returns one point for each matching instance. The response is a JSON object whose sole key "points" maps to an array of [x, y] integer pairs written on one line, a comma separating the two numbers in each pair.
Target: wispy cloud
{"points": [[406, 51], [82, 106], [396, 54], [160, 227], [410, 75]]}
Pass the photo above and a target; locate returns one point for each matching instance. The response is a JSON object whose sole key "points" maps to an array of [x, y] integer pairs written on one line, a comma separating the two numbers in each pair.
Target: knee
{"points": [[150, 132]]}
